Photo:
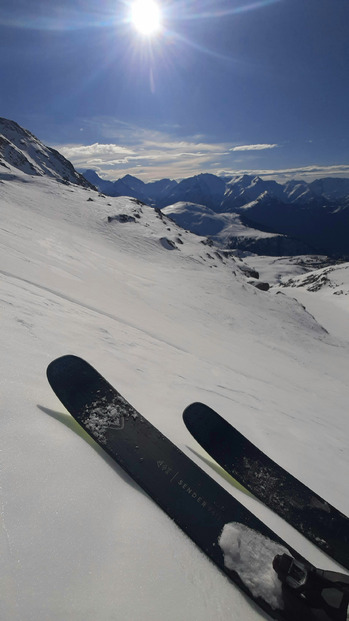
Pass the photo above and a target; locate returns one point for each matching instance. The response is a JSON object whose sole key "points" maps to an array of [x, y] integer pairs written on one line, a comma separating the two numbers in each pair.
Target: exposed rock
{"points": [[263, 286]]}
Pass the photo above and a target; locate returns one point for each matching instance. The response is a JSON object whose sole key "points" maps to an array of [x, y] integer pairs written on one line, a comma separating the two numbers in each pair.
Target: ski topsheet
{"points": [[315, 518], [231, 536]]}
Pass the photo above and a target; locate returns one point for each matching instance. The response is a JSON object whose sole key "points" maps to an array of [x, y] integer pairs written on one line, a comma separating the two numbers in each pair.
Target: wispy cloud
{"points": [[124, 148], [146, 153], [254, 147], [97, 152], [307, 173]]}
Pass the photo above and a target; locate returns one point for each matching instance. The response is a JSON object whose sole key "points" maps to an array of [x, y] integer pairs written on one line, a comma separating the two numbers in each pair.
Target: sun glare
{"points": [[146, 17]]}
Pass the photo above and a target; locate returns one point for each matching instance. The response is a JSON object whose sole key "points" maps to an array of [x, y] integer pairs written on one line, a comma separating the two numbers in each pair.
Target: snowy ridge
{"points": [[168, 319], [20, 150]]}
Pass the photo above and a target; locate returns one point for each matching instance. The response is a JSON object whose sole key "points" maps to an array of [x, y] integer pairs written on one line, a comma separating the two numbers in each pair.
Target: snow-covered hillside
{"points": [[168, 320], [333, 279]]}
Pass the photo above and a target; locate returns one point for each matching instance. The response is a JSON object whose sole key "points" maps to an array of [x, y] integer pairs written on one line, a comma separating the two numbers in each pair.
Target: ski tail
{"points": [[305, 510]]}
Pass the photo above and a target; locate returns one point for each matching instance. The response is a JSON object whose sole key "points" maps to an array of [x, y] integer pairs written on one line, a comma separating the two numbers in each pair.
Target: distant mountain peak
{"points": [[131, 179]]}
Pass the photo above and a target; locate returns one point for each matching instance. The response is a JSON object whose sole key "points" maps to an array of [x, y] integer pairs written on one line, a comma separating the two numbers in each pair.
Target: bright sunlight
{"points": [[146, 17]]}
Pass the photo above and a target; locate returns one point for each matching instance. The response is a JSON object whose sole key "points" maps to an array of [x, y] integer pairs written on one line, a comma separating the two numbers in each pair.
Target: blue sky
{"points": [[225, 86]]}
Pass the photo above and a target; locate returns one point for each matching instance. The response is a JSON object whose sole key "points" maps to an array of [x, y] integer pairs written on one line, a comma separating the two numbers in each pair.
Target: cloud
{"points": [[148, 154], [254, 147], [79, 152], [307, 173], [124, 148]]}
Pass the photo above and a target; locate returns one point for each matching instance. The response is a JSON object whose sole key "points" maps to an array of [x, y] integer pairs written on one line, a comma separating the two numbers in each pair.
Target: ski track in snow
{"points": [[93, 309]]}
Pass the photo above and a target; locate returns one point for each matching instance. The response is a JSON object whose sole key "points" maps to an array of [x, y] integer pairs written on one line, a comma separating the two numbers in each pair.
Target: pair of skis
{"points": [[269, 571]]}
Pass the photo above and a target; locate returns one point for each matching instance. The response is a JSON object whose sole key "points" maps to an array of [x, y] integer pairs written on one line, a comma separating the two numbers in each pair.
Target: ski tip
{"points": [[197, 415], [63, 362], [192, 412]]}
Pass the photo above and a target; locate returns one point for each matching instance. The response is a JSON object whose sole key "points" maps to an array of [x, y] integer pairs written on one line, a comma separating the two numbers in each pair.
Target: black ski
{"points": [[315, 518], [207, 513]]}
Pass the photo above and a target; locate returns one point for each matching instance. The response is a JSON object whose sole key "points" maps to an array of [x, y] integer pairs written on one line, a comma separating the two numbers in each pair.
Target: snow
{"points": [[325, 293], [275, 269], [166, 326], [251, 555], [103, 417], [321, 285]]}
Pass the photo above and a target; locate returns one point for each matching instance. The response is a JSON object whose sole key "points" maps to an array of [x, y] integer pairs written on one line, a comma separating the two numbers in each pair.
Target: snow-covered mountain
{"points": [[244, 189], [21, 151], [231, 231], [168, 319]]}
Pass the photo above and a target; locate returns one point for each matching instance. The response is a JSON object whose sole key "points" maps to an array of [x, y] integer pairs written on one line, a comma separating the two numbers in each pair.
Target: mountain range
{"points": [[223, 194], [305, 217]]}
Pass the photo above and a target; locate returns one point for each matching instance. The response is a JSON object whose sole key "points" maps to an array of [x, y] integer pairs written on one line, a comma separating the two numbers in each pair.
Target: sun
{"points": [[146, 16]]}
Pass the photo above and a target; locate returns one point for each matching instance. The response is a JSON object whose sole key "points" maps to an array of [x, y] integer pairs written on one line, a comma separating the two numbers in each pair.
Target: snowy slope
{"points": [[317, 282], [168, 321]]}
